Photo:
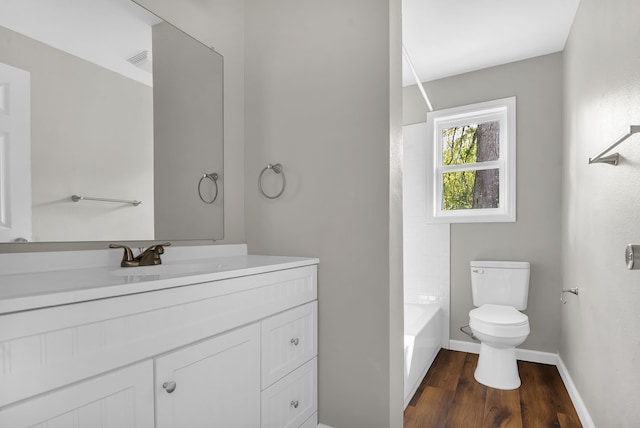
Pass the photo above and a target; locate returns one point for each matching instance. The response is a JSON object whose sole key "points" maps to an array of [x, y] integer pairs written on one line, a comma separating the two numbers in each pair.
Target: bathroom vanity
{"points": [[212, 337]]}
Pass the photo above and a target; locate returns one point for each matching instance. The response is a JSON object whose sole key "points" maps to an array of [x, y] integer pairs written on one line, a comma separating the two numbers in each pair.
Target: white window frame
{"points": [[502, 110]]}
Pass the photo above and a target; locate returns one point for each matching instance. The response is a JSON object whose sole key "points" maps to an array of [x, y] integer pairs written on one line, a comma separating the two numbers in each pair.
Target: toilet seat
{"points": [[499, 321]]}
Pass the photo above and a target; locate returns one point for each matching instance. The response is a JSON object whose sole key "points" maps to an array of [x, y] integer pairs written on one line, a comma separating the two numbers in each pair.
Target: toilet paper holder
{"points": [[632, 256], [573, 290], [466, 329]]}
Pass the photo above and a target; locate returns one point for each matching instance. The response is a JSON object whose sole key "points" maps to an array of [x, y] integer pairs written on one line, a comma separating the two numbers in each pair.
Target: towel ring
{"points": [[213, 177], [277, 168]]}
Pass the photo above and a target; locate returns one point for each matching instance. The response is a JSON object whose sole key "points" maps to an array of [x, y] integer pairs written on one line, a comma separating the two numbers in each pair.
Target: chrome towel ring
{"points": [[277, 168], [213, 177]]}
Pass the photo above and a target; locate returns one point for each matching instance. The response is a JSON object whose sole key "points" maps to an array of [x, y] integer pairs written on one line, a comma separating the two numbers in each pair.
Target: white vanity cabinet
{"points": [[120, 399], [214, 380], [289, 367], [235, 352]]}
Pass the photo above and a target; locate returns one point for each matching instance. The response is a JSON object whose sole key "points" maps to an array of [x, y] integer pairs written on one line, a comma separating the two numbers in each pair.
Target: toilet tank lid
{"points": [[501, 264]]}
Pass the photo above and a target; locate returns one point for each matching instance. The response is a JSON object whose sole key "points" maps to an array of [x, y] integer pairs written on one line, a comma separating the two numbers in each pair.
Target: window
{"points": [[472, 166]]}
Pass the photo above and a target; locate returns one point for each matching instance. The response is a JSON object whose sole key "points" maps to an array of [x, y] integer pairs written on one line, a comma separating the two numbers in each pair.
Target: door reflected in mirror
{"points": [[123, 107]]}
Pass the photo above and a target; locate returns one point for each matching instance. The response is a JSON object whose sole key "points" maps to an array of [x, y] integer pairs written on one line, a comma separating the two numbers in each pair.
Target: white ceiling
{"points": [[443, 37], [105, 32], [448, 37]]}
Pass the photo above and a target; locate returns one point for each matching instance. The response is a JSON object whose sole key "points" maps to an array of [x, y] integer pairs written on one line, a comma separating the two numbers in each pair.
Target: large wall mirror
{"points": [[102, 99]]}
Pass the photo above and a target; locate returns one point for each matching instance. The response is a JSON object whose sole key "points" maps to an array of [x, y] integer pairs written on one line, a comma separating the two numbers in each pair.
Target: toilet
{"points": [[500, 291]]}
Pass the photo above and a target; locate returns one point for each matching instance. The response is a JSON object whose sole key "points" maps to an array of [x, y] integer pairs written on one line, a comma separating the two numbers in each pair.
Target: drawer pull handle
{"points": [[169, 386], [294, 404], [295, 341]]}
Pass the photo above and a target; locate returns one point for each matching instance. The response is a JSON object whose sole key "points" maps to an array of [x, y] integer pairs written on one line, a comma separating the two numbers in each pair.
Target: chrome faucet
{"points": [[148, 257]]}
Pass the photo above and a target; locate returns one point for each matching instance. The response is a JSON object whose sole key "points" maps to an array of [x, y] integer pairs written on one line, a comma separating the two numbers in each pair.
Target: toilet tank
{"points": [[500, 283]]}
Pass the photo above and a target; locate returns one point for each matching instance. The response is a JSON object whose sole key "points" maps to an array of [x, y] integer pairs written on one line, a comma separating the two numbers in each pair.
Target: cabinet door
{"points": [[214, 383], [121, 399]]}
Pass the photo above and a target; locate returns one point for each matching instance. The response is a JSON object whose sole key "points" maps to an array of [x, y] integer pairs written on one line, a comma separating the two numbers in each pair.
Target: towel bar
{"points": [[76, 198], [614, 158]]}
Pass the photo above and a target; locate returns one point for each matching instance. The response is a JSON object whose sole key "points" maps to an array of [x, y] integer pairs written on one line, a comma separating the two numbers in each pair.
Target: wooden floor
{"points": [[449, 396]]}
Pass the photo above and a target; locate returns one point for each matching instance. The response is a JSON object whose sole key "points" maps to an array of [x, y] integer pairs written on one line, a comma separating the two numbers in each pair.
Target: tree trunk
{"points": [[486, 189]]}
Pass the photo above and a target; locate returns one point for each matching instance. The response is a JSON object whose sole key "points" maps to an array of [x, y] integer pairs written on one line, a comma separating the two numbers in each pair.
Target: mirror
{"points": [[121, 107]]}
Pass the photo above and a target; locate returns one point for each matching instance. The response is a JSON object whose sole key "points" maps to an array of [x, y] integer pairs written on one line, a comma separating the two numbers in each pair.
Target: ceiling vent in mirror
{"points": [[142, 60]]}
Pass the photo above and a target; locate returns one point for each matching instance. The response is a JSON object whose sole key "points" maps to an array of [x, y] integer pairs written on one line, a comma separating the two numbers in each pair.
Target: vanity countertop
{"points": [[21, 291]]}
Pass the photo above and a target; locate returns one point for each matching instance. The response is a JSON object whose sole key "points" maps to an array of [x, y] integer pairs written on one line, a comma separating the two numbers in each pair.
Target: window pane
{"points": [[471, 189], [477, 142]]}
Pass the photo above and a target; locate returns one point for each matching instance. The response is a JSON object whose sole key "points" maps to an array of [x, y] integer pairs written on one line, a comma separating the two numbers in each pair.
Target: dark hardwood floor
{"points": [[449, 396]]}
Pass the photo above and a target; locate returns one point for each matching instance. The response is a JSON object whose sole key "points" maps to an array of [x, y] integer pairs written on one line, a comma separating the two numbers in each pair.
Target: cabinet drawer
{"points": [[292, 400], [120, 399], [312, 422], [289, 339]]}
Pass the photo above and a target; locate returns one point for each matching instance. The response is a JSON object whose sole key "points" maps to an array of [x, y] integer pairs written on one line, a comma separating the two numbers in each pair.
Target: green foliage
{"points": [[458, 190], [459, 147]]}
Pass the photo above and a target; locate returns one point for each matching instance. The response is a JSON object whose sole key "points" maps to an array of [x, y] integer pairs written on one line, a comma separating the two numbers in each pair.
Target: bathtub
{"points": [[422, 331]]}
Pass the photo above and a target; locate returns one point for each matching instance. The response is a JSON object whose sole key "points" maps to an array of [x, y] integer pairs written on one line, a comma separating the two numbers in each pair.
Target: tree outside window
{"points": [[473, 165]]}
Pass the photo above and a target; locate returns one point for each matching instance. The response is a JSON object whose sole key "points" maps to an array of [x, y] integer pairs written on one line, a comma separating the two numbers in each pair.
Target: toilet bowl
{"points": [[500, 291], [500, 329]]}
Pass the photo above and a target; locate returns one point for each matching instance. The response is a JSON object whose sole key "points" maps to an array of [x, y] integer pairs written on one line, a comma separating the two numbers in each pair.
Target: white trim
{"points": [[464, 346], [521, 354], [536, 356], [502, 110], [15, 154], [576, 399], [543, 358]]}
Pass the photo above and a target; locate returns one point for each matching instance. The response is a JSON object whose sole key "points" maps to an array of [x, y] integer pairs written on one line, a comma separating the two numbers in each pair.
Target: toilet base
{"points": [[497, 367]]}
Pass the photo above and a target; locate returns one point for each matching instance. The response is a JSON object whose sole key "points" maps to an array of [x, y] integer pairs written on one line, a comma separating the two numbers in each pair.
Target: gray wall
{"points": [[535, 236], [83, 118], [600, 345], [188, 132], [220, 23], [319, 102]]}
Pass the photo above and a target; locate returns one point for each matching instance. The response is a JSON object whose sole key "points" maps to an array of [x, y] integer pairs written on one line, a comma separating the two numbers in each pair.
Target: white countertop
{"points": [[27, 290]]}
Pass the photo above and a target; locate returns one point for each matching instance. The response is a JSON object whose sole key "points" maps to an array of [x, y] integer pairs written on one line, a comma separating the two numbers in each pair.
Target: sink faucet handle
{"points": [[151, 256], [127, 257], [159, 248]]}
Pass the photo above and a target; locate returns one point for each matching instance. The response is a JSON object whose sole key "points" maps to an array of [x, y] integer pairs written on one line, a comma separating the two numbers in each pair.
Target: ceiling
{"points": [[112, 30], [442, 37], [448, 37]]}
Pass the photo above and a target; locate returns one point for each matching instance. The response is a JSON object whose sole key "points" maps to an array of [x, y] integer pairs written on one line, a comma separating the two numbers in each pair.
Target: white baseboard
{"points": [[543, 358], [534, 357], [521, 354], [464, 346], [576, 399]]}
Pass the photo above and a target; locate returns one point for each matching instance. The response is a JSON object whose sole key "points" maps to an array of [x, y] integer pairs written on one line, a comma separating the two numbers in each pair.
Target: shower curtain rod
{"points": [[415, 76]]}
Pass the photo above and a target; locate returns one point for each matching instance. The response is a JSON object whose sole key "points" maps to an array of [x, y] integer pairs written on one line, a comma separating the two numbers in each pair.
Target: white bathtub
{"points": [[422, 331]]}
